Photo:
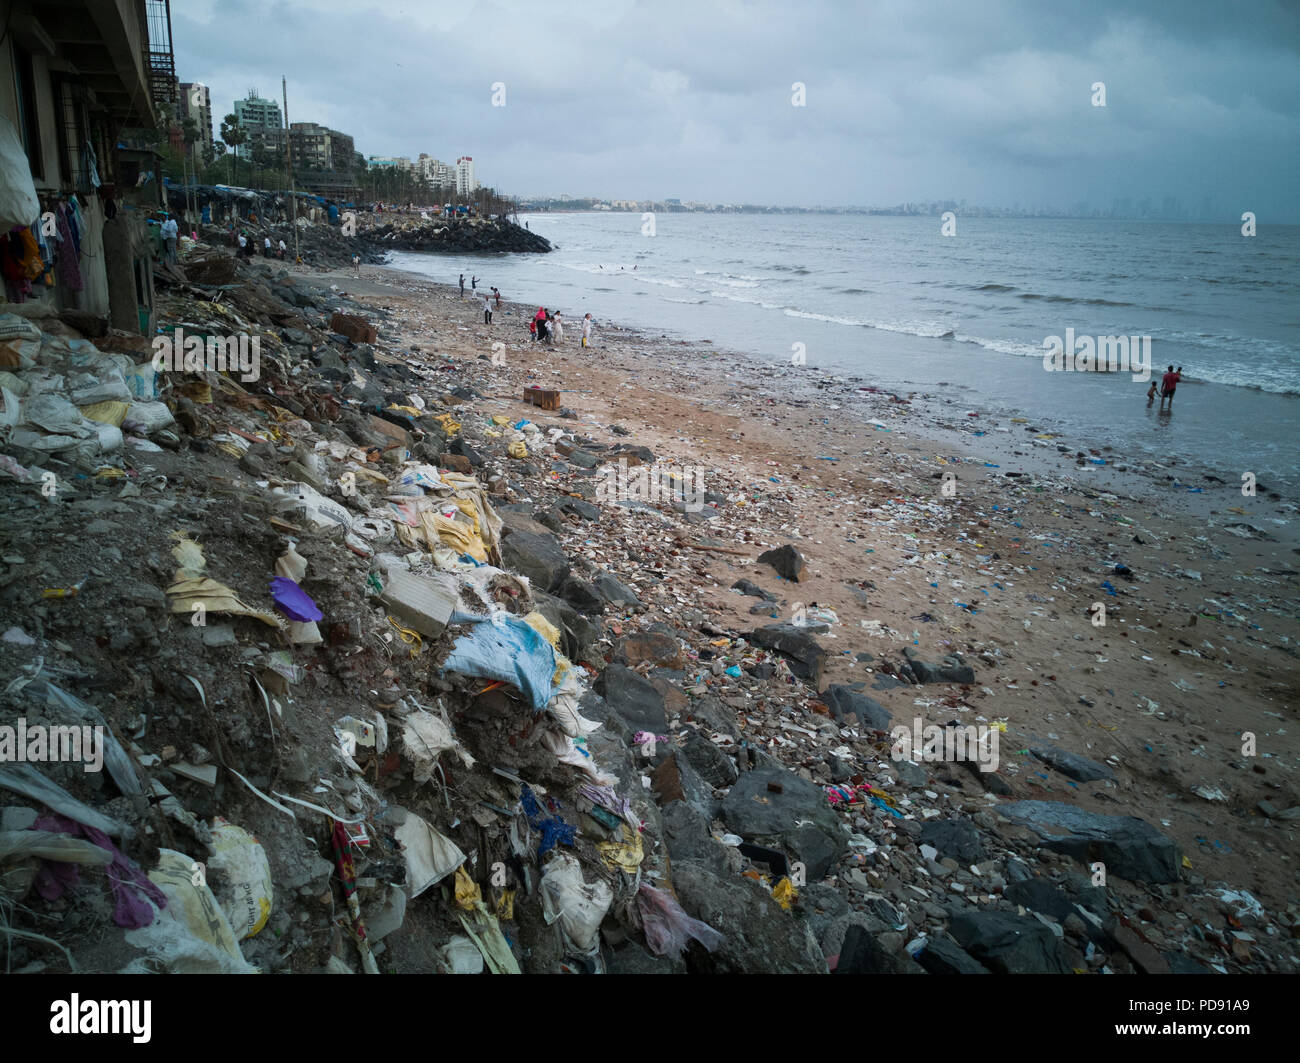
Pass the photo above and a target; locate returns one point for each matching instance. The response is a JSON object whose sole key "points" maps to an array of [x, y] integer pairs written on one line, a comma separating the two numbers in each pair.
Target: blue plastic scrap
{"points": [[504, 647], [552, 828]]}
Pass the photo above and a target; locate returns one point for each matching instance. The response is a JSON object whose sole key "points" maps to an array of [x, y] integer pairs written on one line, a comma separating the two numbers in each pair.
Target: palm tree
{"points": [[233, 135]]}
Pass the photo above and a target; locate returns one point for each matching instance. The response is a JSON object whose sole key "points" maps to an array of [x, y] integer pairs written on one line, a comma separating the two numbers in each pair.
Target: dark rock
{"points": [[579, 508], [714, 766], [1007, 943], [614, 592], [539, 557], [582, 596], [758, 936], [465, 450], [955, 837], [842, 700], [942, 955], [1072, 764], [952, 671], [715, 716], [585, 459], [787, 561], [1128, 846], [801, 649], [862, 953], [687, 837], [633, 698], [753, 590], [631, 958], [756, 812]]}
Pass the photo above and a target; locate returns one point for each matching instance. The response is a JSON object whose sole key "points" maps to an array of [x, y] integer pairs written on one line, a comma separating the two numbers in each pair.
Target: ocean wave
{"points": [[1071, 299]]}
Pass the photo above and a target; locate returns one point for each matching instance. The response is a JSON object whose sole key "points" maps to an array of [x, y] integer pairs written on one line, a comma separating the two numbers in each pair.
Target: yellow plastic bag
{"points": [[246, 898], [517, 449]]}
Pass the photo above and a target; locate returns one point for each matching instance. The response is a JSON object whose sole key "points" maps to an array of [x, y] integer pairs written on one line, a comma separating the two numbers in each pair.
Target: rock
{"points": [[786, 560], [578, 634], [942, 955], [1007, 943], [632, 697], [661, 649], [1040, 895], [757, 812], [686, 837], [584, 459], [465, 450], [910, 774], [1072, 764], [710, 713], [953, 671], [579, 508], [631, 958], [613, 592], [842, 700], [757, 935], [582, 596], [1144, 956], [955, 837], [1128, 846], [456, 463], [863, 953], [715, 767], [753, 590], [539, 557], [796, 645], [675, 780]]}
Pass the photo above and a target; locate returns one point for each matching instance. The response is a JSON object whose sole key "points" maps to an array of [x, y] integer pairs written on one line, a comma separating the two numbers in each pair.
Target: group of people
{"points": [[548, 327], [248, 247], [1165, 388]]}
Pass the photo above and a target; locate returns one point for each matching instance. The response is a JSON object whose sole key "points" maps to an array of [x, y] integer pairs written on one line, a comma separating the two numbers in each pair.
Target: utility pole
{"points": [[288, 165]]}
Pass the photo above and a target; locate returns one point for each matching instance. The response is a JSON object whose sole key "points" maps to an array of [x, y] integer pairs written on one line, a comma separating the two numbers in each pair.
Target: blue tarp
{"points": [[507, 649]]}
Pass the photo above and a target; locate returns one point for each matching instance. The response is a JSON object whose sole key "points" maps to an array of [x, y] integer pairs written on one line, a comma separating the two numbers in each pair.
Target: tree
{"points": [[233, 135]]}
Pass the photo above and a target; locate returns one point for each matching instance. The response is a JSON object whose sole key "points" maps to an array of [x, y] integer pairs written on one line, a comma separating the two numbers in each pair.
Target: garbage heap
{"points": [[386, 682]]}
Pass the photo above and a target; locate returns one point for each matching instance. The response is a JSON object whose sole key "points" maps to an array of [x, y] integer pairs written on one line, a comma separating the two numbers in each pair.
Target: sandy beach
{"points": [[1198, 648]]}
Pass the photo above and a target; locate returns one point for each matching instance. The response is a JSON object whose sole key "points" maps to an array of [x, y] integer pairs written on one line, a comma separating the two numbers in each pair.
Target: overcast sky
{"points": [[988, 100]]}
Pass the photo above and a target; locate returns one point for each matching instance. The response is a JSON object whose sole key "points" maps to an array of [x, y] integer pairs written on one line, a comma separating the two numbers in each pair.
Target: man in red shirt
{"points": [[1168, 384]]}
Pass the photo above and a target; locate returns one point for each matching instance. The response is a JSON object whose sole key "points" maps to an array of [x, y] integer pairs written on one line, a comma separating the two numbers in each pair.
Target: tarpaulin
{"points": [[504, 647]]}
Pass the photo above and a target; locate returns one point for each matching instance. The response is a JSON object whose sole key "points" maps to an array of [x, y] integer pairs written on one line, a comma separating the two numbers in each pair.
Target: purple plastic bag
{"points": [[293, 601]]}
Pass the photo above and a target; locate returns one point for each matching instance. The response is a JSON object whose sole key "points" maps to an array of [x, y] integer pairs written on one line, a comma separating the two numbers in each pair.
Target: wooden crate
{"points": [[547, 400]]}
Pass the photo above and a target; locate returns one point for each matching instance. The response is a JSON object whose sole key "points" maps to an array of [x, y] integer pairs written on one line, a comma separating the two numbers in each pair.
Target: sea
{"points": [[966, 317]]}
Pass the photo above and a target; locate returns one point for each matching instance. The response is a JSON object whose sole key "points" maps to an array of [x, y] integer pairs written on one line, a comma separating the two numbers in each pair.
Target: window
{"points": [[25, 76]]}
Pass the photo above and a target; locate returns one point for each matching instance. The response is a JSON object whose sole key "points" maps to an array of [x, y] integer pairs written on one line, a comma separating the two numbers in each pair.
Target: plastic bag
{"points": [[578, 906], [247, 894], [18, 202], [430, 856], [148, 417], [668, 929]]}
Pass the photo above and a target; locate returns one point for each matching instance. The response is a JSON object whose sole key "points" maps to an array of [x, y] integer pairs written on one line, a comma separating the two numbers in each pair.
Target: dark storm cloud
{"points": [[990, 102]]}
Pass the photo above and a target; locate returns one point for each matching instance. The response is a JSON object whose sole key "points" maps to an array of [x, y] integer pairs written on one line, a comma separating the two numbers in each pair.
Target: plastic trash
{"points": [[293, 601], [668, 929], [462, 956], [191, 934], [578, 906], [506, 648], [247, 893], [430, 857]]}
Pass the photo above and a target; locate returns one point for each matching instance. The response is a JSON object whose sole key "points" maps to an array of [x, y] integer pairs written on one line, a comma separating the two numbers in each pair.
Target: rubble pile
{"points": [[453, 235], [389, 681]]}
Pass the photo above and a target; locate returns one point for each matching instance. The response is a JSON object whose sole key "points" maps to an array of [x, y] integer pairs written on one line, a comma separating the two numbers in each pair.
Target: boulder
{"points": [[786, 560], [796, 645], [1072, 764], [1007, 943], [1128, 846], [537, 556], [842, 700], [773, 806], [630, 695]]}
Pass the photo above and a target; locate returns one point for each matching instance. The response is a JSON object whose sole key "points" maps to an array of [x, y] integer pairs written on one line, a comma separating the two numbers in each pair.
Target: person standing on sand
{"points": [[462, 286], [487, 310], [497, 295], [473, 284], [586, 331], [557, 328], [1168, 383]]}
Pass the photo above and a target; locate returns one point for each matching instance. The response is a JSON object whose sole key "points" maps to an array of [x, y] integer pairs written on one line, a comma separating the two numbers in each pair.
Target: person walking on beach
{"points": [[557, 329], [586, 330], [540, 321], [496, 294], [473, 284], [462, 286], [1168, 383], [487, 310]]}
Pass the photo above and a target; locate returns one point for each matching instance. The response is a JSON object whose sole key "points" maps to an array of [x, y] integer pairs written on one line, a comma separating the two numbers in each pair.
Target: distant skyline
{"points": [[904, 100]]}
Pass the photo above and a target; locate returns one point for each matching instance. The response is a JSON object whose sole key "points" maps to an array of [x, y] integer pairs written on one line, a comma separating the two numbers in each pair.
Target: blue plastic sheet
{"points": [[507, 649], [552, 828]]}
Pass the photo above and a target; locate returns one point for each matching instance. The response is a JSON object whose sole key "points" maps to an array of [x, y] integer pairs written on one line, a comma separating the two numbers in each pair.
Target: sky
{"points": [[902, 100]]}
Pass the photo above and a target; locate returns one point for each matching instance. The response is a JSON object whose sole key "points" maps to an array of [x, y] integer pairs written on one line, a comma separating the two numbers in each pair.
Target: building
{"points": [[390, 162], [434, 173], [74, 77], [196, 103], [257, 117], [465, 183]]}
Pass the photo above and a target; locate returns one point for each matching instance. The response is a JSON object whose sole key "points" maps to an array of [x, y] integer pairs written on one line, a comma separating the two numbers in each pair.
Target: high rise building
{"points": [[256, 116], [196, 103], [465, 183]]}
